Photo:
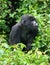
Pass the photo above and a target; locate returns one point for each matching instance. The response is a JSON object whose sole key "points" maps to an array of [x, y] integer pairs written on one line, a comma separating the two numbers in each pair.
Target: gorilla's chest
{"points": [[26, 35]]}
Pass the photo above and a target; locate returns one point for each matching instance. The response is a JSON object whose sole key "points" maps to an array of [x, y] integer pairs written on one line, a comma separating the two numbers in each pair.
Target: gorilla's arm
{"points": [[14, 37], [29, 46]]}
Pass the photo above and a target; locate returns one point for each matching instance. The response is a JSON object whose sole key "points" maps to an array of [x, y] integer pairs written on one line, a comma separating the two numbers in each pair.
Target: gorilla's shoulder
{"points": [[16, 26]]}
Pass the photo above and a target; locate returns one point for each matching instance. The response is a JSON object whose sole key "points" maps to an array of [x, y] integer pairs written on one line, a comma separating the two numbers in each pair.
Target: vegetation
{"points": [[10, 13]]}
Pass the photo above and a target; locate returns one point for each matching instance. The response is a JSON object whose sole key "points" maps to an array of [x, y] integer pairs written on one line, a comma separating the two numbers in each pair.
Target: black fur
{"points": [[24, 31]]}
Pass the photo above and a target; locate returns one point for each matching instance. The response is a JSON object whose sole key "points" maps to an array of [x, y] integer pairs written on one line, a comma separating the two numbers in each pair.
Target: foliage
{"points": [[10, 13]]}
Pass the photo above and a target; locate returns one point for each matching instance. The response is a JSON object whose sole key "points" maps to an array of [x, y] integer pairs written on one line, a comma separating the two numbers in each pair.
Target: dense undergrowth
{"points": [[10, 13]]}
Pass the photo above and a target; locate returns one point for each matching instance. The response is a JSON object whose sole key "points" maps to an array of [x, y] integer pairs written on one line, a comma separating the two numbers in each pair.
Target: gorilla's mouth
{"points": [[34, 23]]}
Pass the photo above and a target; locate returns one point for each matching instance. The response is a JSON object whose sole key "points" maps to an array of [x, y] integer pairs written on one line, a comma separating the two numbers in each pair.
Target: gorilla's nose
{"points": [[35, 23]]}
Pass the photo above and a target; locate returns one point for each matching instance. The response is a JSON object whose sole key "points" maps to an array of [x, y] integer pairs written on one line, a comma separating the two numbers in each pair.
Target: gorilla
{"points": [[24, 31]]}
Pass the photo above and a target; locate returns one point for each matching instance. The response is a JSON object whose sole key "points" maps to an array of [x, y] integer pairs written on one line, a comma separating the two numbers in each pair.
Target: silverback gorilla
{"points": [[24, 31]]}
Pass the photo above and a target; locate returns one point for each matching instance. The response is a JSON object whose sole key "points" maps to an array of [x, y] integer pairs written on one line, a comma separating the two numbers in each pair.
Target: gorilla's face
{"points": [[30, 22]]}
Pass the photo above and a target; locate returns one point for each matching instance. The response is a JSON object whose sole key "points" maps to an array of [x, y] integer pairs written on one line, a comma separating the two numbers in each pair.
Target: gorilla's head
{"points": [[29, 22]]}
